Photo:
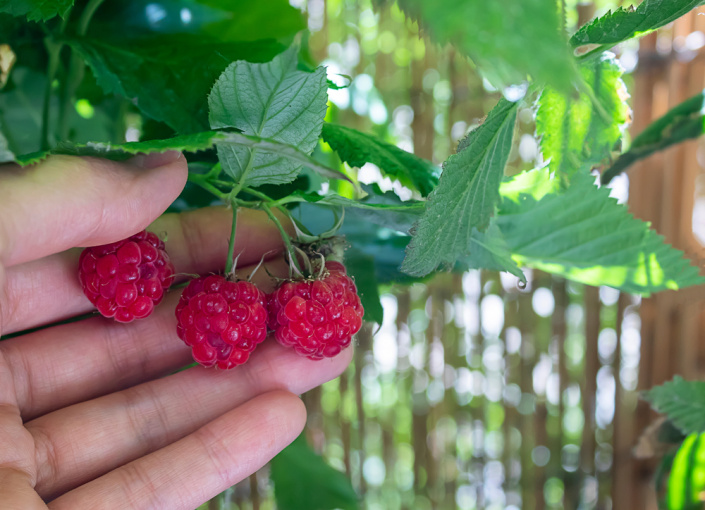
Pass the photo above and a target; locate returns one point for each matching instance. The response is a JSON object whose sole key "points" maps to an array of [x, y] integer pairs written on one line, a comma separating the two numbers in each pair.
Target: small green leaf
{"points": [[622, 24], [466, 195], [683, 122], [303, 481], [585, 235], [357, 148], [683, 402], [362, 268], [686, 482], [507, 40], [36, 10], [489, 250], [576, 133], [274, 101]]}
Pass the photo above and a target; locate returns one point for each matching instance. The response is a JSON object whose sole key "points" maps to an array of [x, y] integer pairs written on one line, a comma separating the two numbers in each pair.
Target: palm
{"points": [[87, 416]]}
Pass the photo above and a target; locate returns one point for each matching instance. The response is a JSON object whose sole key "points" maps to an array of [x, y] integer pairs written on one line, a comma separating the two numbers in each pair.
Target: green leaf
{"points": [[36, 10], [577, 133], [117, 152], [357, 148], [362, 268], [622, 24], [683, 122], [466, 194], [683, 402], [385, 210], [686, 481], [507, 40], [245, 20], [489, 250], [274, 101], [303, 481], [190, 143], [168, 77], [585, 235], [6, 155]]}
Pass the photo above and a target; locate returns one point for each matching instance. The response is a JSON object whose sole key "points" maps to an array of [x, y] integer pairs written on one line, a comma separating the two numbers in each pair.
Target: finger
{"points": [[68, 201], [187, 473], [47, 290], [65, 364], [81, 442], [17, 468]]}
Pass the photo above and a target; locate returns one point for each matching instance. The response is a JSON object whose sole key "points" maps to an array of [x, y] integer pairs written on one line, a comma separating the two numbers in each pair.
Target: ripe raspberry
{"points": [[222, 321], [127, 279], [317, 318]]}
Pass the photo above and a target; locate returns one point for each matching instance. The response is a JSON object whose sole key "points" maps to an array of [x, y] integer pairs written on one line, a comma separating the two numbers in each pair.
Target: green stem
{"points": [[54, 50], [285, 237], [231, 246], [214, 172], [598, 50], [76, 69], [201, 181], [86, 16], [258, 194]]}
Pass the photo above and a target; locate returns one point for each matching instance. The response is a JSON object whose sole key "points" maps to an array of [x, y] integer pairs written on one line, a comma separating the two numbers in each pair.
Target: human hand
{"points": [[87, 418]]}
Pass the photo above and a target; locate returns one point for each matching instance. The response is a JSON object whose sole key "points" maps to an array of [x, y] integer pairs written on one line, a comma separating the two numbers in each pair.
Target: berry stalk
{"points": [[231, 245]]}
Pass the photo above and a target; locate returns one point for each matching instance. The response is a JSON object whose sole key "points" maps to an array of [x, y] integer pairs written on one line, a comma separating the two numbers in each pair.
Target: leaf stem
{"points": [[231, 245], [285, 237], [201, 181], [259, 194]]}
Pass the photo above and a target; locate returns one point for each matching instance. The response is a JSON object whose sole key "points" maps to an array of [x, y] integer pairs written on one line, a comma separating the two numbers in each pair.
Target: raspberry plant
{"points": [[237, 93]]}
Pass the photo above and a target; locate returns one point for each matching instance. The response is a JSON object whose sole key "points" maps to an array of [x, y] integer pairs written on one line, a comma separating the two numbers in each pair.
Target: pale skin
{"points": [[89, 415]]}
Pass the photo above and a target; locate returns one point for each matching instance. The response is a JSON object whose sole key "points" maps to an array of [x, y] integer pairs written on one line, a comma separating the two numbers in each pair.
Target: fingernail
{"points": [[155, 159]]}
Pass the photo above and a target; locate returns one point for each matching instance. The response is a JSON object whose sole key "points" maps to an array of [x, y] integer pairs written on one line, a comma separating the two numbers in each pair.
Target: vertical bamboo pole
{"points": [[589, 387]]}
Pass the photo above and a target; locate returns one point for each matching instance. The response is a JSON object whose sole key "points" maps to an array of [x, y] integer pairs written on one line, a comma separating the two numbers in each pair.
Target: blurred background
{"points": [[475, 392]]}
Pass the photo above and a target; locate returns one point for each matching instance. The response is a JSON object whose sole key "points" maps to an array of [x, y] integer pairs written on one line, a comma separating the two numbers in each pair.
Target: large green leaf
{"points": [[274, 101], [362, 268], [303, 481], [168, 77], [683, 402], [357, 148], [577, 132], [381, 209], [585, 235], [507, 39], [622, 24], [683, 122], [190, 143], [489, 250], [466, 195], [246, 20], [686, 482], [36, 10]]}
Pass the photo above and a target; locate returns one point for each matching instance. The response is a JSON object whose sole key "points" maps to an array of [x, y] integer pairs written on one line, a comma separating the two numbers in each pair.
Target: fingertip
{"points": [[155, 159], [289, 409]]}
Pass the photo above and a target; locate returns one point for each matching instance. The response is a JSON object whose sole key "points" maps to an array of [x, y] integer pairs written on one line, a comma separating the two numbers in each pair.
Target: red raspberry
{"points": [[127, 279], [222, 321], [317, 318]]}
